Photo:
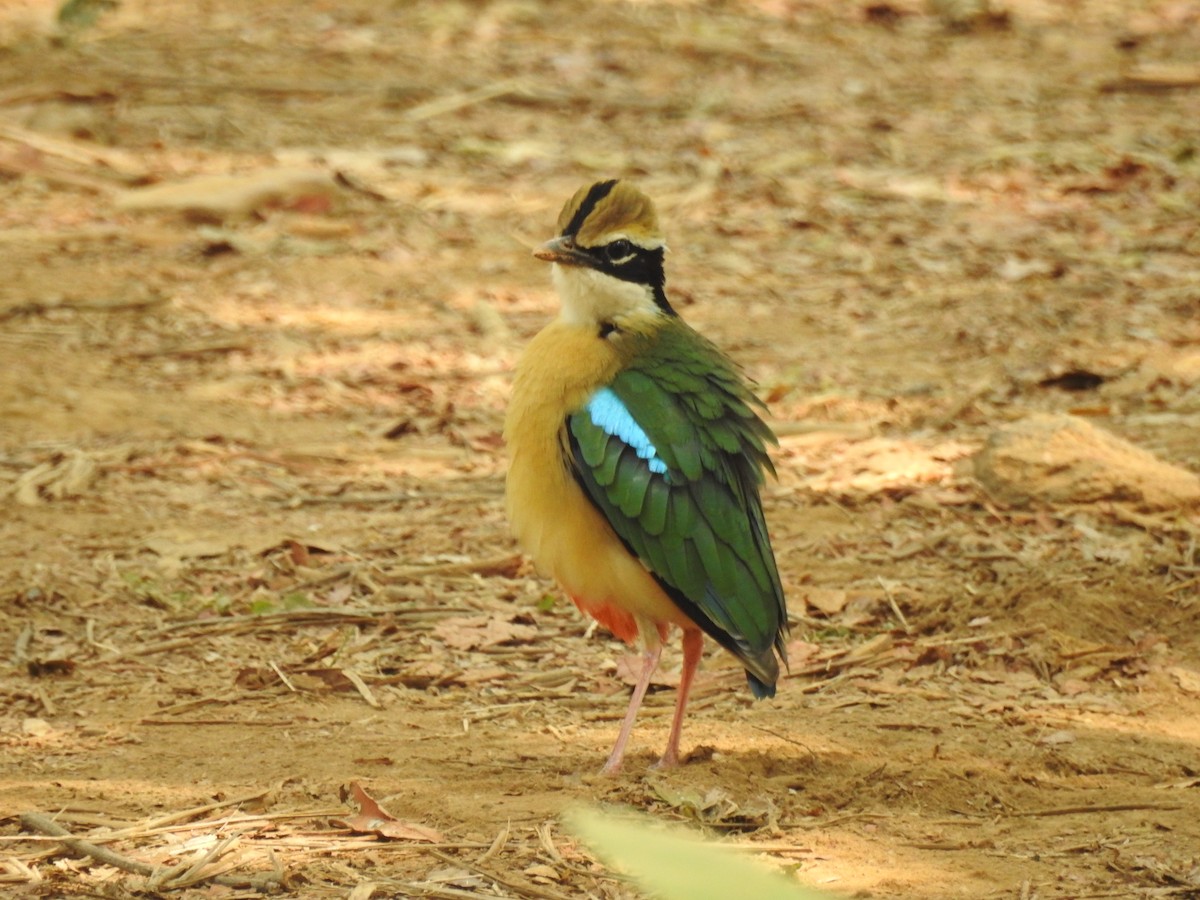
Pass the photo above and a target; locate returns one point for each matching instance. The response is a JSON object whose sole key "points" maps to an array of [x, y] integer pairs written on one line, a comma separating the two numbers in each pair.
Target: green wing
{"points": [[678, 480]]}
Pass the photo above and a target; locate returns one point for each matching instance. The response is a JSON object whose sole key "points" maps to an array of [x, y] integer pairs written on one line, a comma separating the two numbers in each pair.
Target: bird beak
{"points": [[562, 250]]}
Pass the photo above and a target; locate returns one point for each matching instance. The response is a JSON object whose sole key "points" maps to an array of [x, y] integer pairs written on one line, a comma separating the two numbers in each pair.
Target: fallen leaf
{"points": [[1156, 77], [542, 872], [320, 680], [69, 475], [479, 632], [455, 877], [712, 807], [800, 650], [36, 727], [1073, 380], [181, 547], [829, 601], [213, 198], [374, 819], [1187, 679], [1056, 738], [676, 797], [1072, 687], [40, 668], [629, 670], [481, 675], [257, 678], [297, 552], [1014, 269]]}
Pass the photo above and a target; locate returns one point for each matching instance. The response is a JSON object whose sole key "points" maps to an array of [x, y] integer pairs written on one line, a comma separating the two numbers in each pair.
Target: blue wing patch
{"points": [[609, 413]]}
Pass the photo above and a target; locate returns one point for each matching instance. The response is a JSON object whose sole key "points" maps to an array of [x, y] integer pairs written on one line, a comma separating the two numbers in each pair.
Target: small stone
{"points": [[36, 727]]}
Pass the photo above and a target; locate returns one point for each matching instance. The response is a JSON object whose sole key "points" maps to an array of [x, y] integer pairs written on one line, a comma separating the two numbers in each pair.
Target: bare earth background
{"points": [[252, 545]]}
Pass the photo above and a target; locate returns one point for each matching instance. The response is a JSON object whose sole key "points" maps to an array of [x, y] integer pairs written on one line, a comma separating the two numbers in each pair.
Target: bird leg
{"points": [[649, 664], [693, 648]]}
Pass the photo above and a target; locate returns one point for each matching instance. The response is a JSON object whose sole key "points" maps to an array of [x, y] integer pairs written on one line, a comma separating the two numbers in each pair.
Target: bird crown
{"points": [[608, 210]]}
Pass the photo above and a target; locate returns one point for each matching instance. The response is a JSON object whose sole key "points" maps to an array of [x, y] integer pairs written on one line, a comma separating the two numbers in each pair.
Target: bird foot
{"points": [[669, 760], [613, 766]]}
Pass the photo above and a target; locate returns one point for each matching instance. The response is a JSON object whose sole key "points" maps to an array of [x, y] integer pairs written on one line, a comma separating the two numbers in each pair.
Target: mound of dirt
{"points": [[1063, 459]]}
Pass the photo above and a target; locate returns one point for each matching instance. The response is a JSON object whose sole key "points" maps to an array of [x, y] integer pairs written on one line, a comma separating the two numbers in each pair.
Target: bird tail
{"points": [[760, 689], [762, 671]]}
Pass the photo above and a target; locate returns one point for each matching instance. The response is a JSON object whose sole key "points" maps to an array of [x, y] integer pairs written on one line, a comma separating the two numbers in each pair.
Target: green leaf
{"points": [[83, 13], [295, 600], [673, 866]]}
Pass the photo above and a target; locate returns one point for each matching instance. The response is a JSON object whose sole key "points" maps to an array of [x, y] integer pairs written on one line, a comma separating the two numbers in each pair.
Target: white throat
{"points": [[590, 297]]}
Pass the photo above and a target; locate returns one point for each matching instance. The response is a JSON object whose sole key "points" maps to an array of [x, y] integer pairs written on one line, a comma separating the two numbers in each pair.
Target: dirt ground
{"points": [[252, 545]]}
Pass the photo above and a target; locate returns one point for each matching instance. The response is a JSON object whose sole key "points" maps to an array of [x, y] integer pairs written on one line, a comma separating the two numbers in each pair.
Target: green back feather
{"points": [[699, 528]]}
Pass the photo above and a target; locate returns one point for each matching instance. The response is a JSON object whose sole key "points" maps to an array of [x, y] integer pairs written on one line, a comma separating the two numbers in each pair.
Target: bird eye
{"points": [[618, 250]]}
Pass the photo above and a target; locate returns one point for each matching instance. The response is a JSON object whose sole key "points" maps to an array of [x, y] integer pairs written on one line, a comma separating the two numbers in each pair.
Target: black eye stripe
{"points": [[623, 258]]}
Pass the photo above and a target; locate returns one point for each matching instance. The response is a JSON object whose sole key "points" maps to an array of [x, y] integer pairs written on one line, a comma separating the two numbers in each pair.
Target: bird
{"points": [[637, 452]]}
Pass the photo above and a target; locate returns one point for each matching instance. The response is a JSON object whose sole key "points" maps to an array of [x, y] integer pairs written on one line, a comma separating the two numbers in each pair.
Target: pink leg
{"points": [[693, 648], [649, 664]]}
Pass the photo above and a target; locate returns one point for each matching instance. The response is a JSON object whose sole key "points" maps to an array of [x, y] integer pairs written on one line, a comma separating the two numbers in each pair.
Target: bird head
{"points": [[608, 259]]}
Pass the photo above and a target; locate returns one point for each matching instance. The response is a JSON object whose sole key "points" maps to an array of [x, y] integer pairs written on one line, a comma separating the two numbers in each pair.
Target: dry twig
{"points": [[39, 822], [1111, 807]]}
